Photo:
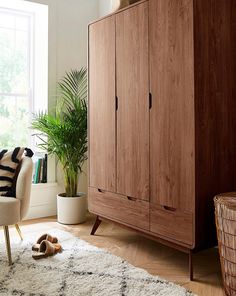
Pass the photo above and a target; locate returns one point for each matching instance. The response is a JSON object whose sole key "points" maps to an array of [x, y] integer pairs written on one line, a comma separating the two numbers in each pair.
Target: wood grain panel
{"points": [[172, 114], [215, 108], [119, 208], [102, 148], [172, 224], [133, 110]]}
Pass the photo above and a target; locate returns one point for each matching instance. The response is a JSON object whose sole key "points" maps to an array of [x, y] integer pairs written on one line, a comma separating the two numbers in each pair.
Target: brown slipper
{"points": [[47, 237], [47, 249]]}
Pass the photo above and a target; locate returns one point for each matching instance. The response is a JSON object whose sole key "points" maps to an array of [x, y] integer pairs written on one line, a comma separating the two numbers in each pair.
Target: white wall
{"points": [[104, 7], [68, 21]]}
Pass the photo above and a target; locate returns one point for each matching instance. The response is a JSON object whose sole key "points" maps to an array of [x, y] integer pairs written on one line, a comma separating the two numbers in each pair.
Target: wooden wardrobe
{"points": [[162, 118]]}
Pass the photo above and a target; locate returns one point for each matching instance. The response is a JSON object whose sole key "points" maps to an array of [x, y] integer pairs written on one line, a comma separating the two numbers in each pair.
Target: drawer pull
{"points": [[131, 198], [169, 209], [100, 190]]}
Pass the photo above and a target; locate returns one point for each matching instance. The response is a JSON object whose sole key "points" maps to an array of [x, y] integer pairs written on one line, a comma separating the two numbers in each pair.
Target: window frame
{"points": [[37, 56]]}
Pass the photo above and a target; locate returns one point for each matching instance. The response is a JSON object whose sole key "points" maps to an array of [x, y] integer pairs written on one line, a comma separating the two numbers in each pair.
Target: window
{"points": [[23, 69]]}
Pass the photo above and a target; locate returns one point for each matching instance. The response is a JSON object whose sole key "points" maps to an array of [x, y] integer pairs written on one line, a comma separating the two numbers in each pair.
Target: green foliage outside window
{"points": [[14, 88]]}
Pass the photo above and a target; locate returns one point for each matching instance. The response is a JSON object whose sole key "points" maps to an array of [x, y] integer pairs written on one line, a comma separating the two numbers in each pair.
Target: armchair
{"points": [[13, 210]]}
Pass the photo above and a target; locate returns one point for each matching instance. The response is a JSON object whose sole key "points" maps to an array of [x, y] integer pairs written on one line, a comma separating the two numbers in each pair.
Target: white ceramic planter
{"points": [[71, 210]]}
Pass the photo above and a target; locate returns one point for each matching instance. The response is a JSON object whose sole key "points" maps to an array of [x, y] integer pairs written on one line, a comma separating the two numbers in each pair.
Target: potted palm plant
{"points": [[64, 134]]}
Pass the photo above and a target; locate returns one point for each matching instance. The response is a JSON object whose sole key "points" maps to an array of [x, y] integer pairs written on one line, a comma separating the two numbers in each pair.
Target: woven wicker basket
{"points": [[225, 213]]}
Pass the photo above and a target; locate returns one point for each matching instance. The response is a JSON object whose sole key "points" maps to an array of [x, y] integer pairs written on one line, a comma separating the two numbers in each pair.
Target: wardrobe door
{"points": [[102, 130], [133, 103], [172, 168]]}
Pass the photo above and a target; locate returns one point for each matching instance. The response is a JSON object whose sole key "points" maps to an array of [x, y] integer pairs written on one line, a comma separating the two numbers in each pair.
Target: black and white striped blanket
{"points": [[9, 161]]}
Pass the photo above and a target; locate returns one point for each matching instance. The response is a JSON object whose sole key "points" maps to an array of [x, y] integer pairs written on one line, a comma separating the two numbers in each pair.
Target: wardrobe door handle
{"points": [[150, 101], [131, 198], [100, 190], [116, 103], [170, 209]]}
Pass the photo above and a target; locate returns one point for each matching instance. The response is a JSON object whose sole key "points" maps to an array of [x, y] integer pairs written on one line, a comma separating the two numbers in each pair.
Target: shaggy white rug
{"points": [[80, 270]]}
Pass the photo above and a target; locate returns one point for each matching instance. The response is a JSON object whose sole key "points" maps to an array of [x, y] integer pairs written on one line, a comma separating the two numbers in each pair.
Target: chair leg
{"points": [[8, 244], [19, 231]]}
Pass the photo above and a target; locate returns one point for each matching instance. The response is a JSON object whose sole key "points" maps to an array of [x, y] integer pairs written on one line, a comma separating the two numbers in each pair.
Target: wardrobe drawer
{"points": [[172, 223], [120, 208]]}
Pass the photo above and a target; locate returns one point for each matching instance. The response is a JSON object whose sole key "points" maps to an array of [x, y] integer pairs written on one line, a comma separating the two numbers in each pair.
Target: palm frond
{"points": [[66, 130]]}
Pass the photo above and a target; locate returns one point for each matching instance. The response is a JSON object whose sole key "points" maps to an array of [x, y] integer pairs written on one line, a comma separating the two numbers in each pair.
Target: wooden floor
{"points": [[155, 258]]}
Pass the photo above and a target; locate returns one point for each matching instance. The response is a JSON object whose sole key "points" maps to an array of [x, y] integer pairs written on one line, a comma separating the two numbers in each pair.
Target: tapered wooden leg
{"points": [[8, 244], [19, 231], [96, 225], [190, 261]]}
